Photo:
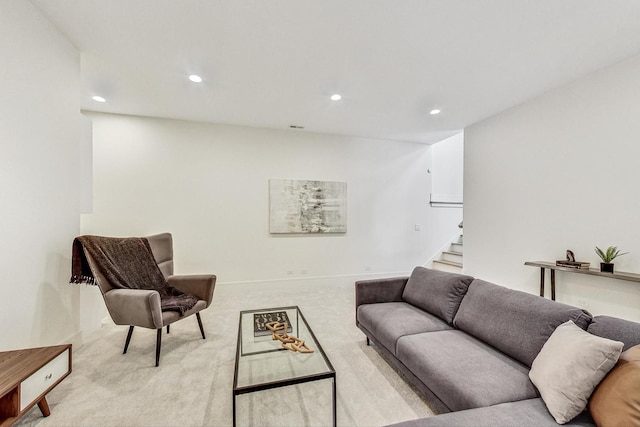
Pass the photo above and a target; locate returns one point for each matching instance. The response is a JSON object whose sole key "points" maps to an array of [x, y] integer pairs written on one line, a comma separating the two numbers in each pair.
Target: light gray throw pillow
{"points": [[569, 367]]}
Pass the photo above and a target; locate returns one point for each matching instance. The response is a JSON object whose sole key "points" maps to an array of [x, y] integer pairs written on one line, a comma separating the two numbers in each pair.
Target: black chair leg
{"points": [[126, 344], [158, 345], [200, 324], [168, 328]]}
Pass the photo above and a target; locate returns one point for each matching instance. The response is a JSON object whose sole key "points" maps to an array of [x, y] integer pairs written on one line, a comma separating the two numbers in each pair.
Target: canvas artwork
{"points": [[300, 206]]}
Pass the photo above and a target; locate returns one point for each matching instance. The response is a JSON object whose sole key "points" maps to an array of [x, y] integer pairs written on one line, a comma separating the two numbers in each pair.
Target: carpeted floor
{"points": [[193, 384]]}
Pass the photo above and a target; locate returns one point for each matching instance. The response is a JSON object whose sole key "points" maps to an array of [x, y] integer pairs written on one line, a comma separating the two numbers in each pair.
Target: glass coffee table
{"points": [[263, 363]]}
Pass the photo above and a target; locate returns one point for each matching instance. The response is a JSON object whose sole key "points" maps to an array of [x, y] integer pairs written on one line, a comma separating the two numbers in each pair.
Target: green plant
{"points": [[611, 253]]}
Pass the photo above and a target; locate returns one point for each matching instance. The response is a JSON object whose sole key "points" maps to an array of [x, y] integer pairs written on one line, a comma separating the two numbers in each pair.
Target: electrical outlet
{"points": [[417, 227]]}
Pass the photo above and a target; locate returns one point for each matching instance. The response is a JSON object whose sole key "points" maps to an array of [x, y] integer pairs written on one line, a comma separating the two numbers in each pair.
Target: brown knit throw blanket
{"points": [[127, 263]]}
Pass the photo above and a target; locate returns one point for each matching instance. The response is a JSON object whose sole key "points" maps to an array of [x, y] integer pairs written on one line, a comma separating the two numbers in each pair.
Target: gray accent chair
{"points": [[137, 307]]}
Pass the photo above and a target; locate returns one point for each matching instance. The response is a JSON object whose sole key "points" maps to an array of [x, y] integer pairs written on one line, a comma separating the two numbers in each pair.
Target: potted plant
{"points": [[612, 252]]}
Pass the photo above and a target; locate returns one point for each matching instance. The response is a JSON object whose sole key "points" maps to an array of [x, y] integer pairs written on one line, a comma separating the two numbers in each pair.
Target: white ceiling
{"points": [[274, 63]]}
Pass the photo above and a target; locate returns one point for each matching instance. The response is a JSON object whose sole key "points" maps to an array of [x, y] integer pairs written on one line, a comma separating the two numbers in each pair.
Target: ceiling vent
{"points": [[296, 127]]}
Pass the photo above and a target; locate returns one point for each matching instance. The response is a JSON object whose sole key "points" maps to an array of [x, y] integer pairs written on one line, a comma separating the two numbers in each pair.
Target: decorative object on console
{"points": [[300, 206], [612, 252], [571, 262]]}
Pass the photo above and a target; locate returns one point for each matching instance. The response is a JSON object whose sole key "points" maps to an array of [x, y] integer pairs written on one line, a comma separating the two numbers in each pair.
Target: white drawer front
{"points": [[45, 377]]}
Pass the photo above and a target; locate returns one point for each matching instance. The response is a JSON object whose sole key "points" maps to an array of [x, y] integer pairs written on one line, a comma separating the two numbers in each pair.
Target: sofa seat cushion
{"points": [[168, 317], [389, 321], [524, 413], [514, 322], [437, 292], [464, 372]]}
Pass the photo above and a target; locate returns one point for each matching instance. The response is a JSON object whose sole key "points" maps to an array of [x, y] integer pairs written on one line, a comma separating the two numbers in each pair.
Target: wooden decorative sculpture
{"points": [[570, 256], [279, 332]]}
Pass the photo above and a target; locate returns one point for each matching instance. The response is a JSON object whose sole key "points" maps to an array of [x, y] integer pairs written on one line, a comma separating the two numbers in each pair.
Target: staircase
{"points": [[451, 259]]}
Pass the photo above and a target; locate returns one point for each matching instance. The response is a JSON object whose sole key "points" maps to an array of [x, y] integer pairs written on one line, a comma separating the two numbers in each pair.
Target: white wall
{"points": [[208, 185], [559, 172], [40, 133], [448, 166], [447, 186]]}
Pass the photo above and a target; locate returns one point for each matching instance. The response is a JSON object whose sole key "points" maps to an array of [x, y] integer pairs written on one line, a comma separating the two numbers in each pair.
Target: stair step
{"points": [[451, 263], [444, 265], [455, 253], [454, 256], [456, 247]]}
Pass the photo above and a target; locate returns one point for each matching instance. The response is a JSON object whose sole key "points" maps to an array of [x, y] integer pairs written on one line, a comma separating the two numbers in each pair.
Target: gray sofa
{"points": [[468, 344]]}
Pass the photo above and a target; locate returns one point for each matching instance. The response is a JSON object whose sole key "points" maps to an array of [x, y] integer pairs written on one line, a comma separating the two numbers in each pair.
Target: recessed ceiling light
{"points": [[98, 98], [336, 97], [195, 78], [434, 112]]}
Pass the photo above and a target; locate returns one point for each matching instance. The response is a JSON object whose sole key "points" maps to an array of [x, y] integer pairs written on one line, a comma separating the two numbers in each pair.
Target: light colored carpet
{"points": [[193, 384]]}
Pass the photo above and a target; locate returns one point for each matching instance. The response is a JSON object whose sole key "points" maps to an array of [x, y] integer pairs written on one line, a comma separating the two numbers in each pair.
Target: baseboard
{"points": [[302, 279], [75, 339]]}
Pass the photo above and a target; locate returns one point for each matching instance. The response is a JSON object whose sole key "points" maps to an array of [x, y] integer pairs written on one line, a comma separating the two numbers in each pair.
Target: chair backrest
{"points": [[162, 250]]}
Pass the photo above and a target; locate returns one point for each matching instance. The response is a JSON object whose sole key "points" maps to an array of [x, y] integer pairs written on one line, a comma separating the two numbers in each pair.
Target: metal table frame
{"points": [[330, 374]]}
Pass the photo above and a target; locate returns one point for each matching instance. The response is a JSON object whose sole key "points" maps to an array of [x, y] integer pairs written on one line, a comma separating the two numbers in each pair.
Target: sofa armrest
{"points": [[135, 307], [200, 285], [380, 290]]}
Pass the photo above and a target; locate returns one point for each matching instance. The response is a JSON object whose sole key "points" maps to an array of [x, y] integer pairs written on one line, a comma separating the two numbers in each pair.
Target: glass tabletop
{"points": [[262, 362]]}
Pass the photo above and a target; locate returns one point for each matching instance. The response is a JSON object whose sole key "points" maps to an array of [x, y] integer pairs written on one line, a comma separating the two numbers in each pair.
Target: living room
{"points": [[554, 172]]}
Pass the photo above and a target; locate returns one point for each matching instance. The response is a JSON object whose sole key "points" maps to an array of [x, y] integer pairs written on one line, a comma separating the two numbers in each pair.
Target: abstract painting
{"points": [[300, 206]]}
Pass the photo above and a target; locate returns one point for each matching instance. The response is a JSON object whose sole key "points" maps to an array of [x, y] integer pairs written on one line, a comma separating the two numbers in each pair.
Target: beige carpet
{"points": [[193, 384]]}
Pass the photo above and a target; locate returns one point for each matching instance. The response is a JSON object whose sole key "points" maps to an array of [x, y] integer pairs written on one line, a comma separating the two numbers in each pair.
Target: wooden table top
{"points": [[17, 365]]}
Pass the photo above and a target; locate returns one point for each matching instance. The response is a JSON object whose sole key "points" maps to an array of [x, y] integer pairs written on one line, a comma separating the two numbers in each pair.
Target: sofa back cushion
{"points": [[616, 329], [514, 322], [436, 292]]}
